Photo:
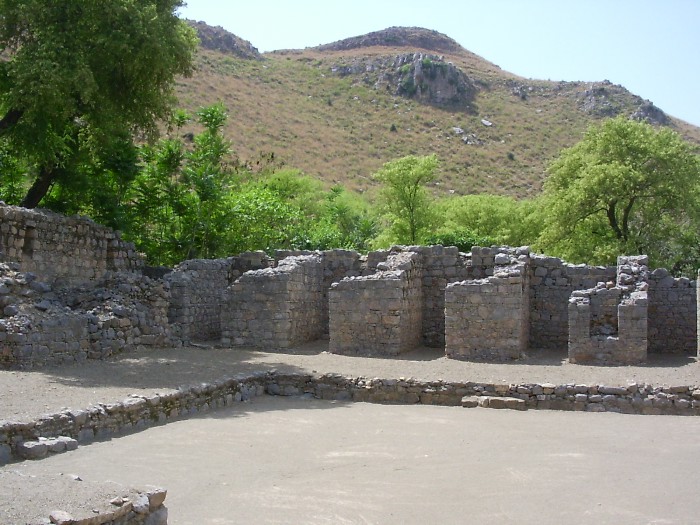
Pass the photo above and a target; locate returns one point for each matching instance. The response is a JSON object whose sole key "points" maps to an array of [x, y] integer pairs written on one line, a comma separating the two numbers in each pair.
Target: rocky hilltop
{"points": [[339, 111], [218, 39], [414, 37]]}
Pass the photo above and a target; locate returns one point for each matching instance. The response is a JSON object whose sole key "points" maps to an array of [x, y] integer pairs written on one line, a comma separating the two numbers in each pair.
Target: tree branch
{"points": [[10, 119], [612, 219]]}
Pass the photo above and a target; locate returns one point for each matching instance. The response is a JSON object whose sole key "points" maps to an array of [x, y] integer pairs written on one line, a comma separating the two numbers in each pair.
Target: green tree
{"points": [[78, 76], [496, 218], [627, 187], [408, 204], [178, 202]]}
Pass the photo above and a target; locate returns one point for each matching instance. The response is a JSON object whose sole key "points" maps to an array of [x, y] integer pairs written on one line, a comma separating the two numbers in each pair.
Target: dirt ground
{"points": [[291, 461], [296, 460], [26, 395]]}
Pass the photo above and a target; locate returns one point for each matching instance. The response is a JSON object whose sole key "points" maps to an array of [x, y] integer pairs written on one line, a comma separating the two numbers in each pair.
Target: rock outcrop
{"points": [[424, 77], [415, 37], [218, 39]]}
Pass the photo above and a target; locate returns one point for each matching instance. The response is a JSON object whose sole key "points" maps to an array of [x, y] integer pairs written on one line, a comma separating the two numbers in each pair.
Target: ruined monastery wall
{"points": [[381, 313], [672, 314], [198, 291], [276, 307], [69, 250], [71, 290], [552, 282]]}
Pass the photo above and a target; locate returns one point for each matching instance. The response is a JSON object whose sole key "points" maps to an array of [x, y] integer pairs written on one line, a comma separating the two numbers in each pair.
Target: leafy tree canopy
{"points": [[627, 187], [77, 75], [408, 204]]}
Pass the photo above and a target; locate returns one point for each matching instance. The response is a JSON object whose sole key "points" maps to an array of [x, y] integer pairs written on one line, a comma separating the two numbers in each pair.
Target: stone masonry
{"points": [[72, 290], [608, 323], [380, 313], [474, 306]]}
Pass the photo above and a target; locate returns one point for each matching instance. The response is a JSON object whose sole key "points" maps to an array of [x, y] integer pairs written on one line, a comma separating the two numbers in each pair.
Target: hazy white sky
{"points": [[652, 47]]}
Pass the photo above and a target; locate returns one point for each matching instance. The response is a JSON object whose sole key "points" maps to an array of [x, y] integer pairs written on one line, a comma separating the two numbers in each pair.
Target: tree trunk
{"points": [[41, 186], [10, 119]]}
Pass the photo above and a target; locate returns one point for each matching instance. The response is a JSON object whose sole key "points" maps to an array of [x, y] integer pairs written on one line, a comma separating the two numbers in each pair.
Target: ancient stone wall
{"points": [[137, 413], [198, 290], [72, 290], [276, 307], [40, 325], [380, 313], [488, 318], [672, 314], [62, 250], [440, 267], [608, 323], [551, 283], [337, 264]]}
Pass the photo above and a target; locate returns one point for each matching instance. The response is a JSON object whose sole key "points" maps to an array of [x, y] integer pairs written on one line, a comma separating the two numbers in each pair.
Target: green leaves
{"points": [[625, 188], [105, 67], [407, 203]]}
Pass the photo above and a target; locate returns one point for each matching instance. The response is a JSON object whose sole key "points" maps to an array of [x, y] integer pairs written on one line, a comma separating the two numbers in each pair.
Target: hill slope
{"points": [[339, 111]]}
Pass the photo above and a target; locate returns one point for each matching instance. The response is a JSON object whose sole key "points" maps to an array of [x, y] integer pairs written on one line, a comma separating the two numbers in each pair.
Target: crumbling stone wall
{"points": [[672, 327], [72, 290], [441, 265], [488, 318], [608, 324], [62, 250], [336, 265], [380, 313], [551, 283], [276, 307], [40, 325], [198, 291]]}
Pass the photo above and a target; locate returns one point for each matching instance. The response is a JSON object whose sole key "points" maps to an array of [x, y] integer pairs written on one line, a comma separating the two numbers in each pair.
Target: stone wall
{"points": [[608, 324], [72, 290], [488, 318], [276, 307], [551, 283], [672, 314], [440, 267], [380, 313], [40, 325], [336, 265], [198, 290], [137, 413], [62, 250]]}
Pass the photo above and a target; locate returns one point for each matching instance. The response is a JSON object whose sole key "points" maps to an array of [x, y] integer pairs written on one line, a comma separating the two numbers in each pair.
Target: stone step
{"points": [[512, 403]]}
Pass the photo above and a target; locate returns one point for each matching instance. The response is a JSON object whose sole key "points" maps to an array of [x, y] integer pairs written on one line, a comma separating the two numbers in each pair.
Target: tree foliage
{"points": [[408, 205], [625, 188], [492, 219], [79, 76]]}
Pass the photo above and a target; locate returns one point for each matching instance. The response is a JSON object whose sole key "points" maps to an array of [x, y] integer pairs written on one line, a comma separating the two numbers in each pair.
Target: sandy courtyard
{"points": [[300, 460], [295, 460]]}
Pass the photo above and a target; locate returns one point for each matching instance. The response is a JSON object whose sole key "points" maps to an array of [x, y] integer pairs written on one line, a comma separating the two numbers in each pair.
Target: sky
{"points": [[651, 47]]}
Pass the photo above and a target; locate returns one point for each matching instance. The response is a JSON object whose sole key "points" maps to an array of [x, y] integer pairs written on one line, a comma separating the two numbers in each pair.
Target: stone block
{"points": [[511, 403], [470, 401]]}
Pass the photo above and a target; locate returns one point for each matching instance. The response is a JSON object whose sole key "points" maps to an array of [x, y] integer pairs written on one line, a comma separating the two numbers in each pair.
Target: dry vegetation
{"points": [[340, 128]]}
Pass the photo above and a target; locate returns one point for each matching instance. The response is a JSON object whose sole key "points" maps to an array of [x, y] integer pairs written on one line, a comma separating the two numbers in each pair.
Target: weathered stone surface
{"points": [[470, 401], [32, 449], [511, 403]]}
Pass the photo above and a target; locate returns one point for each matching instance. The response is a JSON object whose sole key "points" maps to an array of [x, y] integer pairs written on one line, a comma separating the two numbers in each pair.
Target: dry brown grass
{"points": [[338, 129]]}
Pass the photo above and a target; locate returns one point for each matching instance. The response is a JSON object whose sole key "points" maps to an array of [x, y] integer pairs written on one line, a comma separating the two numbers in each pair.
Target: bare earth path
{"points": [[294, 460], [290, 461], [26, 395]]}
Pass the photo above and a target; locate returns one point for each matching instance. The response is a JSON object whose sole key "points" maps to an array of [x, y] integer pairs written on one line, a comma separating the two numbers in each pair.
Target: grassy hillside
{"points": [[334, 111]]}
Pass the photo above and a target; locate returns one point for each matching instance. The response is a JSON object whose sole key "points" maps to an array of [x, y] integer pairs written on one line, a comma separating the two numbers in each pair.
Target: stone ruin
{"points": [[72, 290]]}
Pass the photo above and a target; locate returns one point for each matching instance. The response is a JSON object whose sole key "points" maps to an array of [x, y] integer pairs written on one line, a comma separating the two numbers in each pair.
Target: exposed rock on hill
{"points": [[650, 113], [218, 39], [605, 99], [422, 77], [415, 37]]}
